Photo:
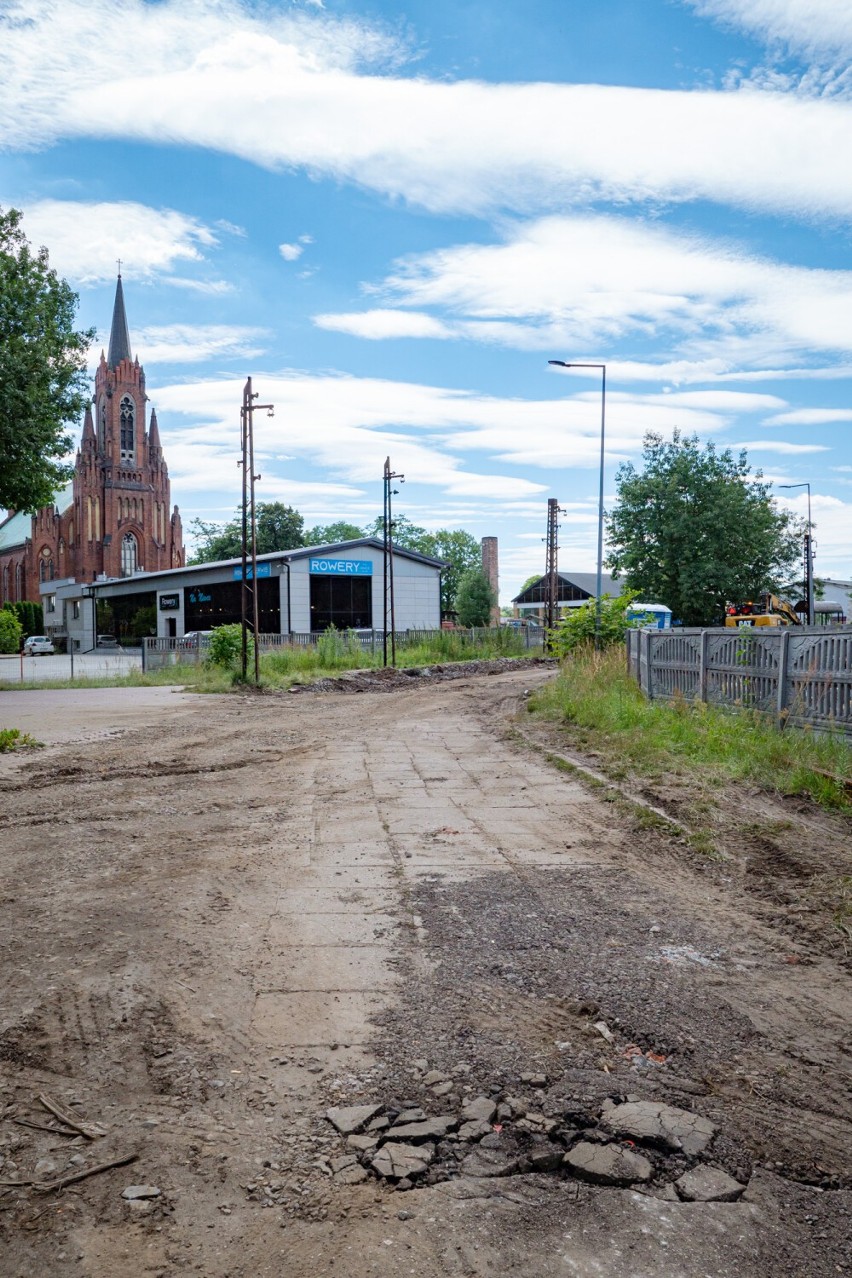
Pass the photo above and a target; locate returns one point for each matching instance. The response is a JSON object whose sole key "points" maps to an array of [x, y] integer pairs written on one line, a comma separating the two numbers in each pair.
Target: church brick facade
{"points": [[116, 516]]}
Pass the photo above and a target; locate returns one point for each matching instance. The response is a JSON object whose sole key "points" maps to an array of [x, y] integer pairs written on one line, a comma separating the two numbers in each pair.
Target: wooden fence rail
{"points": [[801, 676]]}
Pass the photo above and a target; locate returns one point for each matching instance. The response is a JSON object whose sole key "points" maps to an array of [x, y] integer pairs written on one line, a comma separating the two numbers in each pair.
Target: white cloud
{"points": [[86, 237], [196, 343], [780, 446], [290, 252], [286, 90], [810, 417], [580, 283], [808, 26], [380, 324]]}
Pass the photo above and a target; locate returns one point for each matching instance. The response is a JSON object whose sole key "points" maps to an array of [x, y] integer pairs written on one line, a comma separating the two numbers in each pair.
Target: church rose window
{"points": [[127, 423], [128, 555]]}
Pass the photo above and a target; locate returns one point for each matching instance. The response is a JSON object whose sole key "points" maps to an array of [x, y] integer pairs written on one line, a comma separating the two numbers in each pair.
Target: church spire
{"points": [[119, 336], [88, 428], [154, 431]]}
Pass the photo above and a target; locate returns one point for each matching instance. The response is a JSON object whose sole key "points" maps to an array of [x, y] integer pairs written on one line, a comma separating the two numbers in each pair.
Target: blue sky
{"points": [[392, 216]]}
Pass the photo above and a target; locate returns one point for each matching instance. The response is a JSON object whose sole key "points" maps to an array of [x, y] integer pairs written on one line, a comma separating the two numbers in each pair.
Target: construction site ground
{"points": [[222, 917]]}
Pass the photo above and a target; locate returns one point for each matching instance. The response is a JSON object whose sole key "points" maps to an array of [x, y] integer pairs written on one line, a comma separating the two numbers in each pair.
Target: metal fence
{"points": [[801, 676], [157, 653]]}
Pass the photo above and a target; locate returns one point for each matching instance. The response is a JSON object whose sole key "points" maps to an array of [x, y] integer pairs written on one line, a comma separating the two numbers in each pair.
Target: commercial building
{"points": [[299, 591]]}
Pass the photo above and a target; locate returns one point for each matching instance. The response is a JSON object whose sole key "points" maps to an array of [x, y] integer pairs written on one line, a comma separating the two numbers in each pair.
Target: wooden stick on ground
{"points": [[43, 1127], [90, 1130], [48, 1186]]}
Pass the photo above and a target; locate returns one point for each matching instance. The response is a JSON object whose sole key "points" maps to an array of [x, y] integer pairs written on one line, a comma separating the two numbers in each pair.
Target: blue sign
{"points": [[263, 570], [342, 567]]}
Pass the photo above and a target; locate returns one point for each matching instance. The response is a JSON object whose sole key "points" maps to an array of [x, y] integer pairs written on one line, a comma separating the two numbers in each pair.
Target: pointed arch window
{"points": [[129, 555], [19, 583], [102, 424], [5, 598], [127, 427]]}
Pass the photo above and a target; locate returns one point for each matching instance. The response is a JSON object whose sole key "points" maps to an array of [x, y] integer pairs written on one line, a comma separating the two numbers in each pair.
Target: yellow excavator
{"points": [[769, 610]]}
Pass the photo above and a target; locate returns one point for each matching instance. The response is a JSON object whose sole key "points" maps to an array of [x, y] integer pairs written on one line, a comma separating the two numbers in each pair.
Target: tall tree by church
{"points": [[42, 371]]}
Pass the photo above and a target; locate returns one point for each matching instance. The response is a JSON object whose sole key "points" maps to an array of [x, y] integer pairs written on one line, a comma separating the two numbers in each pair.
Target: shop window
{"points": [[343, 602]]}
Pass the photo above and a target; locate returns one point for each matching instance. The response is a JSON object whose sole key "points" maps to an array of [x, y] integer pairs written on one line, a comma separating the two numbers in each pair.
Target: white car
{"points": [[38, 646]]}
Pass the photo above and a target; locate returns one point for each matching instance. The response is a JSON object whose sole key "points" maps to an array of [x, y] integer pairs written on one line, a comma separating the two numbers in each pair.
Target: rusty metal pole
{"points": [[249, 530], [245, 415]]}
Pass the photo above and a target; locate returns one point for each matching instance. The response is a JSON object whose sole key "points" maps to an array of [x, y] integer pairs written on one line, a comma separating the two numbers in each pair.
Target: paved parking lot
{"points": [[89, 665]]}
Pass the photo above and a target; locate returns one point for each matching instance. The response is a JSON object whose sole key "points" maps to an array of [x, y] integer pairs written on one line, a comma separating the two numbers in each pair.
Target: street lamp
{"points": [[809, 554], [560, 363]]}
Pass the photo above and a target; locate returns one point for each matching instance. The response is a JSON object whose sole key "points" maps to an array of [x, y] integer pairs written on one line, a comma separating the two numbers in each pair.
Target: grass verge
{"points": [[605, 710], [281, 667]]}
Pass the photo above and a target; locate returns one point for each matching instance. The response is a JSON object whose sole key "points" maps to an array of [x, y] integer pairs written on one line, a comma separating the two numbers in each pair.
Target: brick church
{"points": [[115, 517]]}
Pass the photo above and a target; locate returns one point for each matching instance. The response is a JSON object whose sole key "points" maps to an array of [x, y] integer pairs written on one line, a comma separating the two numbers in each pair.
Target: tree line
{"points": [[464, 588]]}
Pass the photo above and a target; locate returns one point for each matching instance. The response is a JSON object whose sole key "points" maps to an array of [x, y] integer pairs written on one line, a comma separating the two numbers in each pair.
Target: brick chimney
{"points": [[491, 570]]}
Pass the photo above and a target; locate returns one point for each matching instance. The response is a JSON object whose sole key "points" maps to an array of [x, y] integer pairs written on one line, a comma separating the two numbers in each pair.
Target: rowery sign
{"points": [[342, 567]]}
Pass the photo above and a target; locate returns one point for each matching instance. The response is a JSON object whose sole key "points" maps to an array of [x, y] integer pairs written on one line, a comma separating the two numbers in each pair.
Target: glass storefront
{"points": [[219, 605], [343, 602]]}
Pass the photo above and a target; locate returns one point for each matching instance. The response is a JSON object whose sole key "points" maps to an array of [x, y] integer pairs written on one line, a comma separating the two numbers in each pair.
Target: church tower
{"points": [[122, 497], [116, 518]]}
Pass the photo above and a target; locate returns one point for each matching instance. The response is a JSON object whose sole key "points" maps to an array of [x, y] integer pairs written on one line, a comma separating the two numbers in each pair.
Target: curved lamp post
{"points": [[561, 363], [809, 554]]}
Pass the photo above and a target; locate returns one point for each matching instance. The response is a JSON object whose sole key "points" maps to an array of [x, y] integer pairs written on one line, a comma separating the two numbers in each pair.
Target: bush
{"points": [[226, 646], [577, 628], [11, 631], [29, 615]]}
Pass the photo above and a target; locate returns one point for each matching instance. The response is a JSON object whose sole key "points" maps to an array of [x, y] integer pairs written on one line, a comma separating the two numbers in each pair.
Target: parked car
{"points": [[195, 639], [38, 646], [108, 641]]}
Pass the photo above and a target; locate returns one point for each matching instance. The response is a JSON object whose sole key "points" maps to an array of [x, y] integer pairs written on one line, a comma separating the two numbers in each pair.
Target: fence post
{"points": [[783, 666], [650, 689], [702, 665]]}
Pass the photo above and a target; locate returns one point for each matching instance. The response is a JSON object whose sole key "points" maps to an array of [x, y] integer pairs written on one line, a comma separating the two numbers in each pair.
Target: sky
{"points": [[391, 216]]}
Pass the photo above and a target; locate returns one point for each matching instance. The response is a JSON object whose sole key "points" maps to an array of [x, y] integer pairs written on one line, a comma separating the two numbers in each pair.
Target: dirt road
{"points": [[218, 926]]}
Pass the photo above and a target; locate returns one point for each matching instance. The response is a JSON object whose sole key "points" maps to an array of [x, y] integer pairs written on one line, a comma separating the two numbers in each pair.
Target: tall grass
{"points": [[333, 652], [601, 704]]}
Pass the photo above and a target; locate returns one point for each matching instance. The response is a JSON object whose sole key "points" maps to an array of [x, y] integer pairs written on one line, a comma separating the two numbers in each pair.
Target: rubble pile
{"points": [[645, 1145]]}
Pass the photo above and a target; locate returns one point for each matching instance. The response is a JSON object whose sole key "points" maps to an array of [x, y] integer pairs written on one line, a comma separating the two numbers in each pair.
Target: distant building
{"points": [[115, 517], [574, 589]]}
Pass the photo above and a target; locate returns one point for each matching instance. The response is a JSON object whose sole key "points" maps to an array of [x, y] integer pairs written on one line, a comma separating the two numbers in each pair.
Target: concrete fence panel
{"points": [[802, 676]]}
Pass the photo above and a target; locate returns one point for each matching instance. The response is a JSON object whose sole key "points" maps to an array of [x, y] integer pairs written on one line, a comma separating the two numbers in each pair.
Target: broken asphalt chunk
{"points": [[349, 1118], [676, 1129], [708, 1185], [607, 1164]]}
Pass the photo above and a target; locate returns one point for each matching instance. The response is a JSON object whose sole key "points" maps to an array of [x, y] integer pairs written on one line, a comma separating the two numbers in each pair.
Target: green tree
{"points": [[697, 529], [405, 533], [530, 581], [43, 382], [460, 550], [11, 631], [474, 598], [279, 527], [328, 534]]}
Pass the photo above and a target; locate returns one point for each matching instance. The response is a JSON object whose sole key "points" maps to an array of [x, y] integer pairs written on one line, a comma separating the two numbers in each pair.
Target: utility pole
{"points": [[387, 529], [552, 568], [249, 530]]}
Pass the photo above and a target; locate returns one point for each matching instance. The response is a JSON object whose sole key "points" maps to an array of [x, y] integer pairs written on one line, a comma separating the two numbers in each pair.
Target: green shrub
{"points": [[577, 628], [11, 631], [226, 646]]}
